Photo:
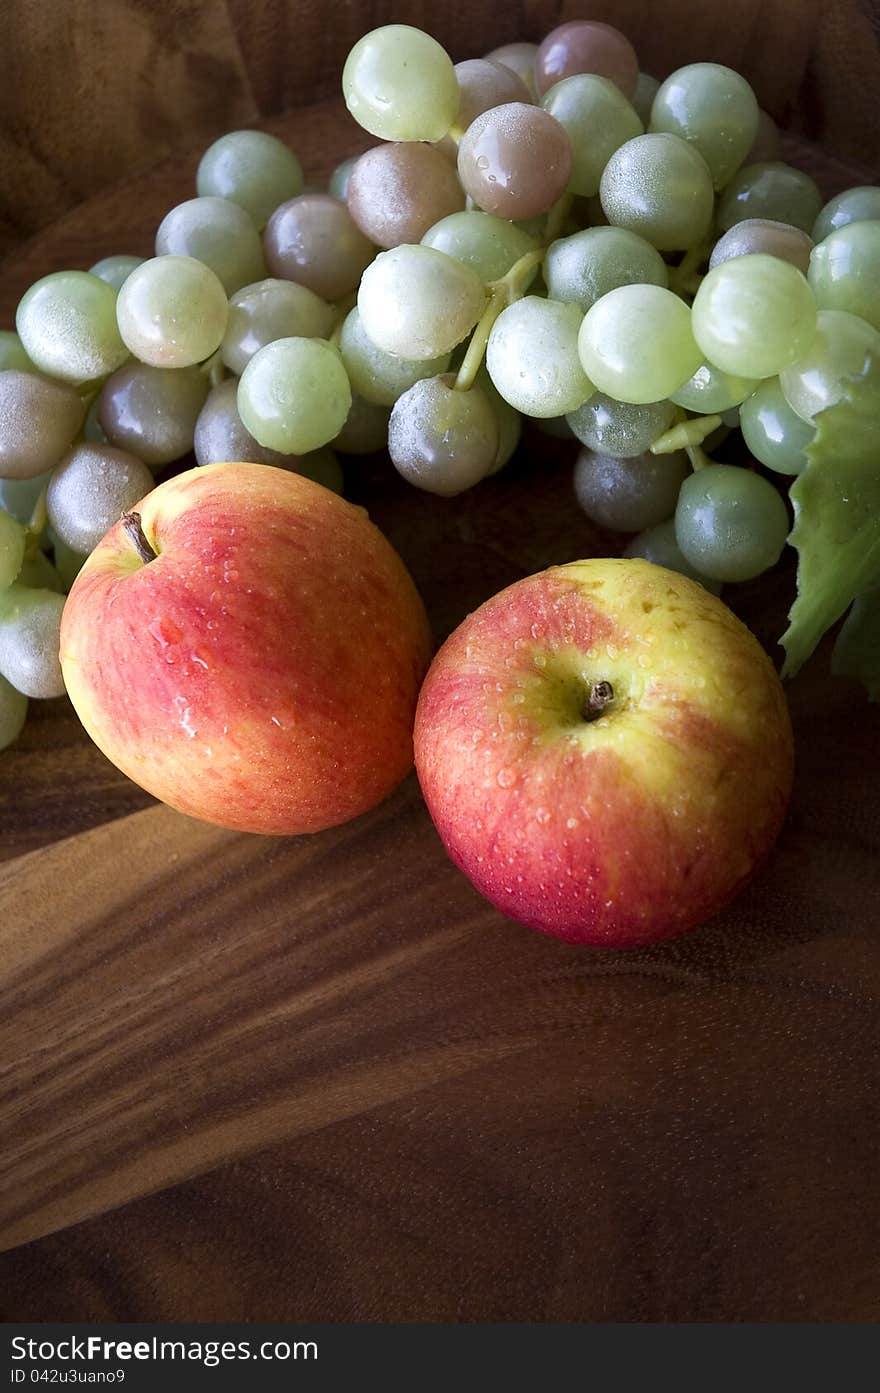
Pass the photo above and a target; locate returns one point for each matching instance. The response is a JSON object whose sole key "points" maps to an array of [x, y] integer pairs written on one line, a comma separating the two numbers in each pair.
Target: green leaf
{"points": [[857, 649], [836, 502]]}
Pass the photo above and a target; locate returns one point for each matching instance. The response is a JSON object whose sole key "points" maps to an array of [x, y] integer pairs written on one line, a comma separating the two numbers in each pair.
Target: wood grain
{"points": [[320, 1079]]}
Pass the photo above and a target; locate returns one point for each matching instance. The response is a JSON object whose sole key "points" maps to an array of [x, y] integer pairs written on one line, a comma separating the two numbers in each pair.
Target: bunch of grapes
{"points": [[546, 232]]}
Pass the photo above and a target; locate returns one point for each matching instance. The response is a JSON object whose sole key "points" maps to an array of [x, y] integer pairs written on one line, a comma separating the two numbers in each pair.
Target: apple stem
{"points": [[601, 694], [133, 526]]}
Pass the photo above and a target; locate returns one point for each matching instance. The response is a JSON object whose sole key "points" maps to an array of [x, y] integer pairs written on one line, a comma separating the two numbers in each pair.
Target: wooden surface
{"points": [[321, 1079]]}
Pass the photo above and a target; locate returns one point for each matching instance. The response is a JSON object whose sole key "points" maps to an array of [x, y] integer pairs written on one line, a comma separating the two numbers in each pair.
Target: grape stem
{"points": [[556, 217], [132, 524], [686, 434], [36, 525], [213, 368], [684, 278], [601, 695], [502, 293]]}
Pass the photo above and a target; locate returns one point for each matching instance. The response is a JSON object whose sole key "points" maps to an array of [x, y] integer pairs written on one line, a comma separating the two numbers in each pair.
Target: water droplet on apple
{"points": [[611, 651], [184, 715], [571, 823], [506, 777], [540, 660], [518, 698], [536, 631], [164, 631], [542, 815], [198, 656]]}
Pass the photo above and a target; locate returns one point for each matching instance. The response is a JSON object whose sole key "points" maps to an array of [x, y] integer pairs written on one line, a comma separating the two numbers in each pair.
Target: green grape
{"points": [[754, 316], [38, 573], [658, 545], [860, 204], [756, 236], [840, 349], [730, 523], [714, 109], [580, 269], [598, 119], [12, 355], [365, 429], [115, 270], [767, 145], [152, 411], [218, 233], [68, 563], [399, 84], [661, 188], [172, 312], [13, 712], [508, 419], [488, 245], [774, 434], [711, 391], [12, 544], [255, 170], [619, 428], [19, 496], [294, 395], [30, 630], [647, 88], [419, 303], [38, 420], [628, 495], [844, 271], [338, 183], [532, 357], [771, 190], [67, 326], [269, 310], [636, 344], [378, 376], [443, 440], [90, 489]]}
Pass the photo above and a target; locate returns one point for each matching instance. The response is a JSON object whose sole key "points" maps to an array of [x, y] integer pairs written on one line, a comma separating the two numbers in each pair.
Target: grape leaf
{"points": [[836, 529], [857, 649]]}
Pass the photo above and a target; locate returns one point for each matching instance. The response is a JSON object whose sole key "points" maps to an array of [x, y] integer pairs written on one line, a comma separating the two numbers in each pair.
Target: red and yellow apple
{"points": [[253, 657], [606, 752]]}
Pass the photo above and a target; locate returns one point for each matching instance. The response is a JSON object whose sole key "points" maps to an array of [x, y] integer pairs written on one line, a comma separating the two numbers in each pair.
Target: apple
{"points": [[606, 752], [248, 647]]}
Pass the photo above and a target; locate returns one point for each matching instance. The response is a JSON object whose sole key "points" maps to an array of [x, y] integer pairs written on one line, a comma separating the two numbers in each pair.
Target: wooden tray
{"points": [[250, 1078]]}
